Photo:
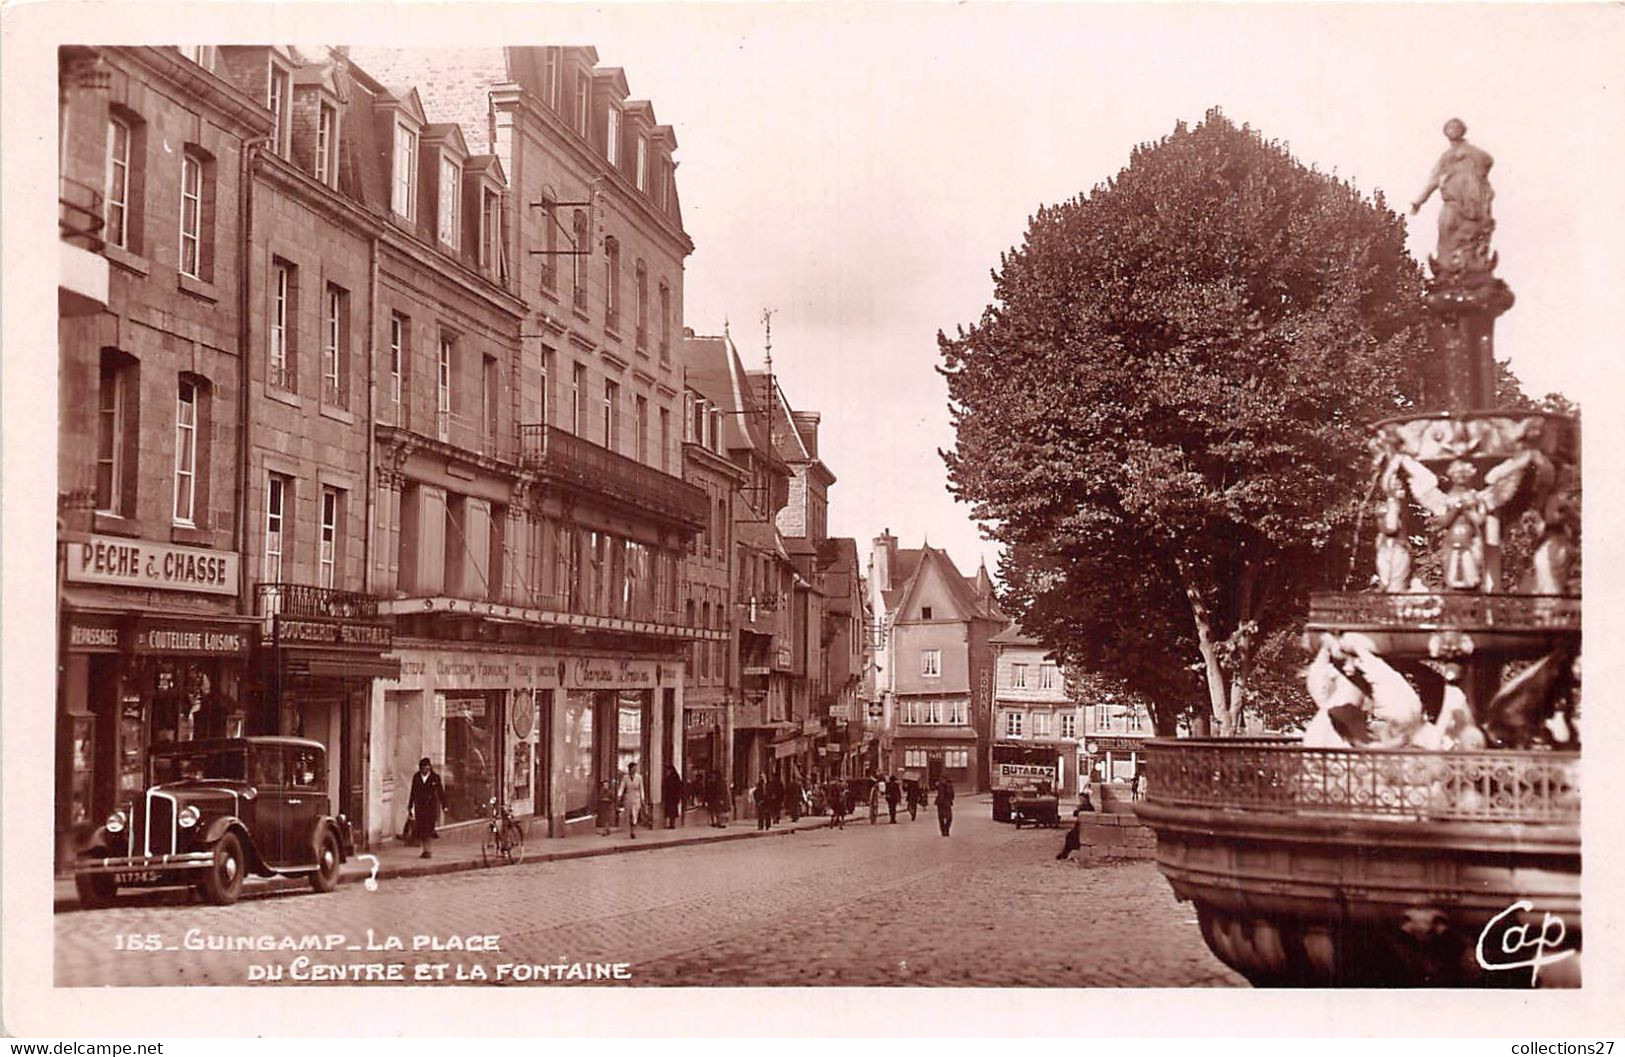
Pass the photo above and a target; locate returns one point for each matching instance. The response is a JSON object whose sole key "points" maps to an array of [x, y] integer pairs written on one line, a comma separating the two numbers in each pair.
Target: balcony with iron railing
{"points": [[82, 279], [308, 600], [567, 459], [282, 376], [335, 393]]}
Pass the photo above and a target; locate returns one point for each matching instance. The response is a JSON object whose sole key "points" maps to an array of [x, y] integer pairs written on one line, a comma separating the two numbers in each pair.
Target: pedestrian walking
{"points": [[1134, 786], [1074, 836], [894, 795], [716, 799], [424, 804], [606, 807], [775, 799], [792, 798], [671, 796], [915, 794], [758, 796], [837, 803], [633, 799], [945, 804]]}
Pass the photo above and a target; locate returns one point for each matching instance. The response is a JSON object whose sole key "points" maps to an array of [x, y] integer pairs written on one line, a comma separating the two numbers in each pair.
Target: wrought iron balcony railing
{"points": [[307, 600], [567, 458], [282, 376], [79, 215], [1279, 775], [334, 394]]}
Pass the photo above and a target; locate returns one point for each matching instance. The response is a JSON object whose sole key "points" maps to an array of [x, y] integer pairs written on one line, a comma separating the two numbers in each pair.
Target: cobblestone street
{"points": [[868, 905]]}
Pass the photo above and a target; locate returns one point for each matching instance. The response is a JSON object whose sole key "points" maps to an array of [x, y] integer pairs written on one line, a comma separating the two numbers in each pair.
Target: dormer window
{"points": [[643, 165], [491, 232], [198, 53], [327, 138], [277, 102], [612, 136], [550, 79], [403, 198], [451, 185], [583, 102]]}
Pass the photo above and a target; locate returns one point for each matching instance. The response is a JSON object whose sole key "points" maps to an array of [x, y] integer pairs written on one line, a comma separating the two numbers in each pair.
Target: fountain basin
{"points": [[1369, 867]]}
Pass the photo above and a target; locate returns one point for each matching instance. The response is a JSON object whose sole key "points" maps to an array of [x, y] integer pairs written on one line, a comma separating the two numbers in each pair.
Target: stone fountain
{"points": [[1425, 830]]}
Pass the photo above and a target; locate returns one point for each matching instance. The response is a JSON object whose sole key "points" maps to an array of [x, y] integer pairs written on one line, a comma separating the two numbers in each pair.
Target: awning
{"points": [[789, 748]]}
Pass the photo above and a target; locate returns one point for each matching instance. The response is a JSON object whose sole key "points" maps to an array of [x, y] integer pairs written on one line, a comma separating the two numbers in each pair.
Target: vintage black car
{"points": [[214, 811]]}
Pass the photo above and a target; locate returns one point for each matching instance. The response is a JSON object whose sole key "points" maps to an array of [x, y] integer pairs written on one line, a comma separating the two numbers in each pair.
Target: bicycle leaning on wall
{"points": [[504, 843]]}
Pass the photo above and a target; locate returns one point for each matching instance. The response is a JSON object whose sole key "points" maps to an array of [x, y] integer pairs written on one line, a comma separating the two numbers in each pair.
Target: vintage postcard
{"points": [[934, 508]]}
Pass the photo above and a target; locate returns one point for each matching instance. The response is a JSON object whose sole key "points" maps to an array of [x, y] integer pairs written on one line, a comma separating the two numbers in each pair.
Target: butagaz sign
{"points": [[127, 563], [1019, 771], [334, 634]]}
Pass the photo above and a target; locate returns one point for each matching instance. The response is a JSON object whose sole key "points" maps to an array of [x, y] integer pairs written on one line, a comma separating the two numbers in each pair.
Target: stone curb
{"points": [[351, 875]]}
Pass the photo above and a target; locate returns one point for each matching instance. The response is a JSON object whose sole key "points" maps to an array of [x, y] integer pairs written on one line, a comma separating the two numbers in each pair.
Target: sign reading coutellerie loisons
{"points": [[132, 563]]}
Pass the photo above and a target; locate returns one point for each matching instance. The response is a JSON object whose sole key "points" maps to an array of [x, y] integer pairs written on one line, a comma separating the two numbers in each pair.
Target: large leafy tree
{"points": [[1164, 410]]}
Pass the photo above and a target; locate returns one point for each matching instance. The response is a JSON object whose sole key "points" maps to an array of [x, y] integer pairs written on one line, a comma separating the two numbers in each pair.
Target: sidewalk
{"points": [[459, 850]]}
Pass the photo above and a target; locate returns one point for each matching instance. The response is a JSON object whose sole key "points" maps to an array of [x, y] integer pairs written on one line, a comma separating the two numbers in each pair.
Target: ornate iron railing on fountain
{"points": [[1277, 774]]}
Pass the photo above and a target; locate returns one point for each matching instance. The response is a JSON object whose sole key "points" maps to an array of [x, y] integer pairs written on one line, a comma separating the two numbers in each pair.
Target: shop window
{"points": [[197, 214], [281, 365], [336, 346], [117, 421], [576, 761], [470, 769], [956, 759]]}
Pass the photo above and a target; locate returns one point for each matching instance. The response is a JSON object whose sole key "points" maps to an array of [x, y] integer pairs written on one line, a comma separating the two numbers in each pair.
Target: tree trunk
{"points": [[1241, 655], [1203, 619]]}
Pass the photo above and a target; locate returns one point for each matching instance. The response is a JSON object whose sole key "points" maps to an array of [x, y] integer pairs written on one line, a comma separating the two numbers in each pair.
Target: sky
{"points": [[859, 168]]}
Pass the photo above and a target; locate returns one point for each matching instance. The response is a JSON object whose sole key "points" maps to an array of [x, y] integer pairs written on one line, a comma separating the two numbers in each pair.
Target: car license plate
{"points": [[136, 877]]}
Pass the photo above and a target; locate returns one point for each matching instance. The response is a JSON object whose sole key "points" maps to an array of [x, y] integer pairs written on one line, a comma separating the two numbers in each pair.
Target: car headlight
{"points": [[115, 822], [188, 816]]}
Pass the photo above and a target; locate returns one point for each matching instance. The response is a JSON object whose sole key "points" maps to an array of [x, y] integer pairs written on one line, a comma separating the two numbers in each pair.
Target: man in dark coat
{"points": [[945, 804], [792, 797], [671, 796], [775, 799], [716, 798], [758, 795], [424, 804], [894, 793]]}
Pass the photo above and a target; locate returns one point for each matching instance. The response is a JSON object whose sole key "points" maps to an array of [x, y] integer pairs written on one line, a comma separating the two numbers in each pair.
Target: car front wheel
{"points": [[95, 889], [223, 880], [326, 877]]}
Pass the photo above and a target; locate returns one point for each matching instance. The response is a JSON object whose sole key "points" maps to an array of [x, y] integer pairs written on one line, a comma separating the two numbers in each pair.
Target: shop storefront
{"points": [[1108, 759], [134, 672], [539, 732], [315, 674]]}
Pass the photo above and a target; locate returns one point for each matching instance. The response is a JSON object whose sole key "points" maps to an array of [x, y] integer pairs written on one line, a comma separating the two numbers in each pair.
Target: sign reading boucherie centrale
{"points": [[141, 563], [343, 634]]}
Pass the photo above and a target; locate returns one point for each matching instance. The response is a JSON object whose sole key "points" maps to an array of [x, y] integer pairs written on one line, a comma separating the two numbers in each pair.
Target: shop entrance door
{"points": [[353, 760], [933, 768], [541, 781]]}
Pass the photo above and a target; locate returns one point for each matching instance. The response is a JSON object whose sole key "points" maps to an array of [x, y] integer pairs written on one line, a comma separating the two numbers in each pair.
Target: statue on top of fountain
{"points": [[1461, 176]]}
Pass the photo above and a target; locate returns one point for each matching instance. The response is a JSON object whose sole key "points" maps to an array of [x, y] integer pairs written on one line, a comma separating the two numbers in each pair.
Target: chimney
{"points": [[807, 427], [882, 558]]}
